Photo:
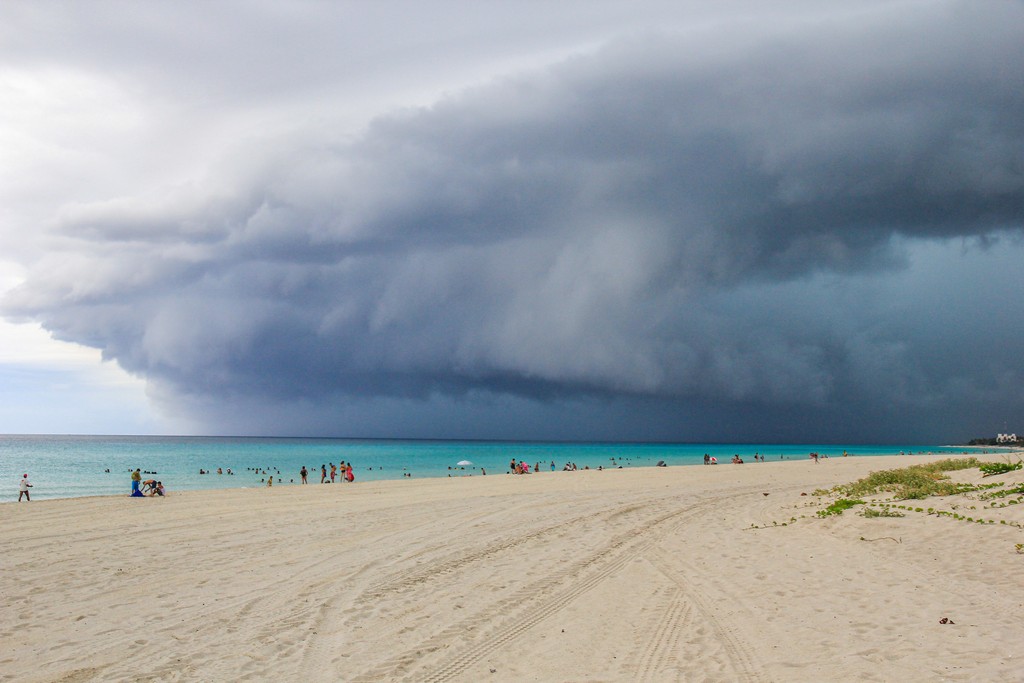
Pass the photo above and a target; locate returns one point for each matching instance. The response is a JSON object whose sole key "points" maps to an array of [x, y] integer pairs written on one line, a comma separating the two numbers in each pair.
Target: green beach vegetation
{"points": [[839, 506], [914, 482], [918, 482], [870, 512], [990, 469]]}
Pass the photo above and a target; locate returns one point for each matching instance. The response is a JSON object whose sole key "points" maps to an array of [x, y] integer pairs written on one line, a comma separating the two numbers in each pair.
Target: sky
{"points": [[789, 222]]}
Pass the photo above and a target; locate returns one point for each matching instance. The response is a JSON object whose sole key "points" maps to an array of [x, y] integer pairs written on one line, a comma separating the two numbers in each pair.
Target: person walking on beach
{"points": [[136, 480], [23, 487], [303, 473], [323, 473]]}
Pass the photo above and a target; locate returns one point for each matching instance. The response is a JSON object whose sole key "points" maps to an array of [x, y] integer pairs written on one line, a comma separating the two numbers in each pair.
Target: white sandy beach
{"points": [[620, 575]]}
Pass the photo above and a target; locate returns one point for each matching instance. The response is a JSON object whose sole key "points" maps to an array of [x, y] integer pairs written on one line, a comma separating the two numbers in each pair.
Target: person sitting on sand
{"points": [[157, 489]]}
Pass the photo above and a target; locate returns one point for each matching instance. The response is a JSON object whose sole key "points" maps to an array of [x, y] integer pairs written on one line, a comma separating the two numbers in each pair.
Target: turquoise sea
{"points": [[74, 466]]}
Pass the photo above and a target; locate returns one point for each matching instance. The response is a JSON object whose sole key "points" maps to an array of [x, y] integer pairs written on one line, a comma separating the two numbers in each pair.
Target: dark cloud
{"points": [[710, 235]]}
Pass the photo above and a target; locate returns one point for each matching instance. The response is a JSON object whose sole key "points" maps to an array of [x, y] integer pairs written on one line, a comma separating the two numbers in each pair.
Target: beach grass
{"points": [[914, 482]]}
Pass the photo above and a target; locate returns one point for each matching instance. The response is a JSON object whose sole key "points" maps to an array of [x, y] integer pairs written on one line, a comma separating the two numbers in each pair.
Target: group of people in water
{"points": [[343, 468], [522, 467], [738, 460], [151, 487], [330, 473]]}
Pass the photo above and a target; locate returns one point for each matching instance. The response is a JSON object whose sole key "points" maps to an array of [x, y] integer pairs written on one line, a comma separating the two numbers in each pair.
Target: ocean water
{"points": [[74, 466]]}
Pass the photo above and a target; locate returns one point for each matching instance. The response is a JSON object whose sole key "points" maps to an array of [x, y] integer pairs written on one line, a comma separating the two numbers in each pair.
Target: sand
{"points": [[622, 575]]}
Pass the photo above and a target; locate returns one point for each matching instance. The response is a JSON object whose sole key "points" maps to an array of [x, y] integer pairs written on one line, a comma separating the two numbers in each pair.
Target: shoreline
{"points": [[88, 478], [632, 574]]}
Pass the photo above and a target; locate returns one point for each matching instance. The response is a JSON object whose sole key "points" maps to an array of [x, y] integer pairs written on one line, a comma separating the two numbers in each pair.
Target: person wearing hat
{"points": [[23, 487]]}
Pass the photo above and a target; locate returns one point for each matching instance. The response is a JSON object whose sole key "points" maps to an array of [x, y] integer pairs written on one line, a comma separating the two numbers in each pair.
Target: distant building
{"points": [[1006, 438]]}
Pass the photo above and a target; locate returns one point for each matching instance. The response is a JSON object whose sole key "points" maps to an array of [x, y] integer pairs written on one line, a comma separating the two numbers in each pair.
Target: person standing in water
{"points": [[303, 473]]}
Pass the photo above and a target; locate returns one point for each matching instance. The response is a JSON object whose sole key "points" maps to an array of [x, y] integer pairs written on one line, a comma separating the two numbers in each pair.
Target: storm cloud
{"points": [[797, 231]]}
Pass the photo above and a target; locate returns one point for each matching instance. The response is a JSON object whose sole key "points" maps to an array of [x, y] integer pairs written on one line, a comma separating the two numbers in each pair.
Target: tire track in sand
{"points": [[744, 664], [662, 643], [453, 561], [525, 611]]}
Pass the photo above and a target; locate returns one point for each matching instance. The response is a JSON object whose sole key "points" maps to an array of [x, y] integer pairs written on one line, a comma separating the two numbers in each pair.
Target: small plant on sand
{"points": [[1003, 492], [837, 507], [989, 469], [885, 512]]}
